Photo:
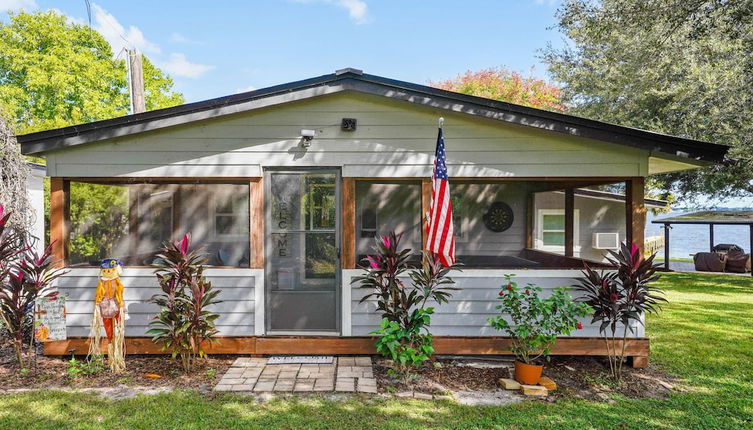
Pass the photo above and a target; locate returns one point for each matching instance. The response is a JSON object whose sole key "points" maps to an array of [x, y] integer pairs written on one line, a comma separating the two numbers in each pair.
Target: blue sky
{"points": [[217, 48]]}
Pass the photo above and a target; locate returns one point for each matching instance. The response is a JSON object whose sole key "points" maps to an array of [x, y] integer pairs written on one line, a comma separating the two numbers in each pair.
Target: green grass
{"points": [[705, 337]]}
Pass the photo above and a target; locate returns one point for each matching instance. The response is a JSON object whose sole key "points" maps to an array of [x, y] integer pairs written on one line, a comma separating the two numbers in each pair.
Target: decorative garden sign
{"points": [[49, 319]]}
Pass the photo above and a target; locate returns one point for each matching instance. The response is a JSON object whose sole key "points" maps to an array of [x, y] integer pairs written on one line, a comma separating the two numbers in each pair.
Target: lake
{"points": [[688, 239]]}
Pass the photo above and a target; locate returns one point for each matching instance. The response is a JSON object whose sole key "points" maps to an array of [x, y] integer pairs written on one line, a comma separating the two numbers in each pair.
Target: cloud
{"points": [[17, 4], [117, 35], [179, 38], [178, 65], [245, 90], [358, 10]]}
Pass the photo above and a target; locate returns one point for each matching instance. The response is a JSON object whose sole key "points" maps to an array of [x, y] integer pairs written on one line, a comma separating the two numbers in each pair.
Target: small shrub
{"points": [[93, 365], [183, 321], [404, 334], [535, 322], [211, 373], [621, 296]]}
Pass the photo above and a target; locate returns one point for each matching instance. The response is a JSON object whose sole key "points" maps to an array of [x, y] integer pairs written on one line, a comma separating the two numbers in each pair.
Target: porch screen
{"points": [[489, 223], [131, 221], [385, 206]]}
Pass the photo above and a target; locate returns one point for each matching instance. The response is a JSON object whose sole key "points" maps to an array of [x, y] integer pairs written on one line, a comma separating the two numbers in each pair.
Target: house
{"points": [[286, 188]]}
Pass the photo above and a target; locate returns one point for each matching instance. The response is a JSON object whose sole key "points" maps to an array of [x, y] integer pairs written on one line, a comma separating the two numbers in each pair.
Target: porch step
{"points": [[301, 359]]}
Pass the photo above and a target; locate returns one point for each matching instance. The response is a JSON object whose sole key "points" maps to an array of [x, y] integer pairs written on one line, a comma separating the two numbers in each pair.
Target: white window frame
{"points": [[215, 213], [539, 244]]}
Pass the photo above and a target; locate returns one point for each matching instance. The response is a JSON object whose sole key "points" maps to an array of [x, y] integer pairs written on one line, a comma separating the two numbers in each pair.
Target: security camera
{"points": [[308, 136]]}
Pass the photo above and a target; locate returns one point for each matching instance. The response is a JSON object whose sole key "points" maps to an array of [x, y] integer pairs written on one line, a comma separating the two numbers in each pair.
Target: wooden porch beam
{"points": [[59, 219], [635, 212], [348, 251], [569, 222], [425, 202], [256, 218]]}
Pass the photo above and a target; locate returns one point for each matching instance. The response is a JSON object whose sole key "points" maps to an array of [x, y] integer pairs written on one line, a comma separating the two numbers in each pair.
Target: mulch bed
{"points": [[576, 377], [50, 372]]}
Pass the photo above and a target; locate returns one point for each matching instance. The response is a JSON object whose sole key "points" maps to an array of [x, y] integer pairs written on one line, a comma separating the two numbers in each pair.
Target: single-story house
{"points": [[286, 187]]}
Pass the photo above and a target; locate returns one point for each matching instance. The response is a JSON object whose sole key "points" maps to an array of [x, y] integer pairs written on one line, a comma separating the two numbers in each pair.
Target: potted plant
{"points": [[533, 324]]}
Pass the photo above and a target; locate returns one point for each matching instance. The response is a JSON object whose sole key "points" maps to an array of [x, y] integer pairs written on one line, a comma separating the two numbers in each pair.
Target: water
{"points": [[686, 239]]}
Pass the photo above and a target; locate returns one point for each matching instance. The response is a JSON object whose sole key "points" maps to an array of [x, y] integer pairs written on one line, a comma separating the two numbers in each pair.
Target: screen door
{"points": [[303, 255]]}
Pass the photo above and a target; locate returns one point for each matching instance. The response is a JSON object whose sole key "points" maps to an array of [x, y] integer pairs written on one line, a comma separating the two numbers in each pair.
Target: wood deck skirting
{"points": [[637, 348]]}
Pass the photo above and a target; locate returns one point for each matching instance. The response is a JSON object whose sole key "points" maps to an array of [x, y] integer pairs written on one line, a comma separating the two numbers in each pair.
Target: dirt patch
{"points": [[579, 377], [51, 372]]}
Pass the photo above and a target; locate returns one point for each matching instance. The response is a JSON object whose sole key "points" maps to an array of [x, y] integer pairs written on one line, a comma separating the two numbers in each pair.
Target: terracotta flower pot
{"points": [[528, 374]]}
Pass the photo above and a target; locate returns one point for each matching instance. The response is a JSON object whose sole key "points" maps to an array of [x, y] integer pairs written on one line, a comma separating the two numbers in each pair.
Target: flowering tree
{"points": [[507, 86]]}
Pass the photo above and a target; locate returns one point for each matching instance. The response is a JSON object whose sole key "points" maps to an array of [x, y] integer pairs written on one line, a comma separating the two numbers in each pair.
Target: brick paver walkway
{"points": [[345, 374]]}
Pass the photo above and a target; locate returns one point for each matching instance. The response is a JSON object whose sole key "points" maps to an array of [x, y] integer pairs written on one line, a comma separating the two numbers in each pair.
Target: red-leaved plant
{"points": [[404, 333], [622, 295], [183, 321], [25, 275]]}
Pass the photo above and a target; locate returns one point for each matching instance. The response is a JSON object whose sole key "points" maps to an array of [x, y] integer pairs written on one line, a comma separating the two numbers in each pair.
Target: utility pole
{"points": [[136, 81]]}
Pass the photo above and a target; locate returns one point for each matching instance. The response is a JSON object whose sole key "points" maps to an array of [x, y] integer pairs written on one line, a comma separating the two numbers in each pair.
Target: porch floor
{"points": [[344, 374]]}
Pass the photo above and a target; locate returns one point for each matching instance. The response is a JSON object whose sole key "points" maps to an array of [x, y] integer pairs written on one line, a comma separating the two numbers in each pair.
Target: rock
{"points": [[548, 383], [404, 394], [572, 369], [486, 398], [534, 390], [422, 396], [509, 384]]}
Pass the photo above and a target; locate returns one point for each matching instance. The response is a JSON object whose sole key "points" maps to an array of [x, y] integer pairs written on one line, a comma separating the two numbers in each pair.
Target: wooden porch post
{"points": [[425, 203], [256, 216], [569, 222], [635, 211], [59, 219], [711, 237], [530, 209], [348, 223]]}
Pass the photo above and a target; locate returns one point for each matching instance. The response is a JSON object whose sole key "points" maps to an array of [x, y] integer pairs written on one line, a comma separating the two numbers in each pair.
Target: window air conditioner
{"points": [[606, 240]]}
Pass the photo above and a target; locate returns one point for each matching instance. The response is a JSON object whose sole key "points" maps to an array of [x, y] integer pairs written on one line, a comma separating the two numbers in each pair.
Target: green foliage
{"points": [[408, 347], [25, 275], [622, 296], [681, 67], [507, 86], [535, 322], [91, 366], [404, 330], [55, 73], [183, 321], [99, 219]]}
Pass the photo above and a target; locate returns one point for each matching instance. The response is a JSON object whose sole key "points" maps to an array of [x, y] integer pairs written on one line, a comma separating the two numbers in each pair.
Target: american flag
{"points": [[440, 237]]}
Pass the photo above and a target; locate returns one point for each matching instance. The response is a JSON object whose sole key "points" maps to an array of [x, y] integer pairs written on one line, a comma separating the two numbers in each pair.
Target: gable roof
{"points": [[688, 150]]}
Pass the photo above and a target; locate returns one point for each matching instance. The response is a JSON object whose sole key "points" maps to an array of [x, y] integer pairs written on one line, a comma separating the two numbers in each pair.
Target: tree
{"points": [[681, 67], [14, 175], [507, 86], [55, 73]]}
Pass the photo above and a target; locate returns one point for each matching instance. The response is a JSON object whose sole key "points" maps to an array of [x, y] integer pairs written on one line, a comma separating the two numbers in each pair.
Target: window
{"points": [[383, 206], [551, 229], [130, 221]]}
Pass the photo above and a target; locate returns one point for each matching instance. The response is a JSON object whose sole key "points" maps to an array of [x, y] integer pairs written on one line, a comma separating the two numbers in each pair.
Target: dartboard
{"points": [[498, 217]]}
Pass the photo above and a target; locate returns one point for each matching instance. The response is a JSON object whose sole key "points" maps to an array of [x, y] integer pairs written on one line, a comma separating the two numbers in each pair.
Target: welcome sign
{"points": [[49, 319]]}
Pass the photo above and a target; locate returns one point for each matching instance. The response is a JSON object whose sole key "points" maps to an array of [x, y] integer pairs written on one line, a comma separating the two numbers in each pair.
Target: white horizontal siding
{"points": [[469, 308], [140, 284], [392, 139]]}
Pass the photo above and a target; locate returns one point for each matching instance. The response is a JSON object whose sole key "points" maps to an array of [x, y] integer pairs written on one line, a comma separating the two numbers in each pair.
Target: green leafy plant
{"points": [[183, 321], [25, 275], [621, 297], [404, 333], [91, 366], [535, 322]]}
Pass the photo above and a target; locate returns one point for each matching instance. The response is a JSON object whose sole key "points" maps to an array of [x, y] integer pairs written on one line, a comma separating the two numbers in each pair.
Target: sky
{"points": [[217, 48]]}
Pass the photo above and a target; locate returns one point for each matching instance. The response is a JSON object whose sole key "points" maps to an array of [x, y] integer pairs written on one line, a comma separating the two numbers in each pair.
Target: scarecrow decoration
{"points": [[109, 313]]}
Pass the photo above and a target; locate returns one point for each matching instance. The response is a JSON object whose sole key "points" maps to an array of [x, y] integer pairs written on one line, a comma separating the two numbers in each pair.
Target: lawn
{"points": [[705, 337]]}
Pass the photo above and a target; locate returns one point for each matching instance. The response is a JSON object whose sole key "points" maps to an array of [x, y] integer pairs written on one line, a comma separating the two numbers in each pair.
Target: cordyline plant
{"points": [[183, 321], [535, 322], [25, 276], [404, 329], [621, 297]]}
